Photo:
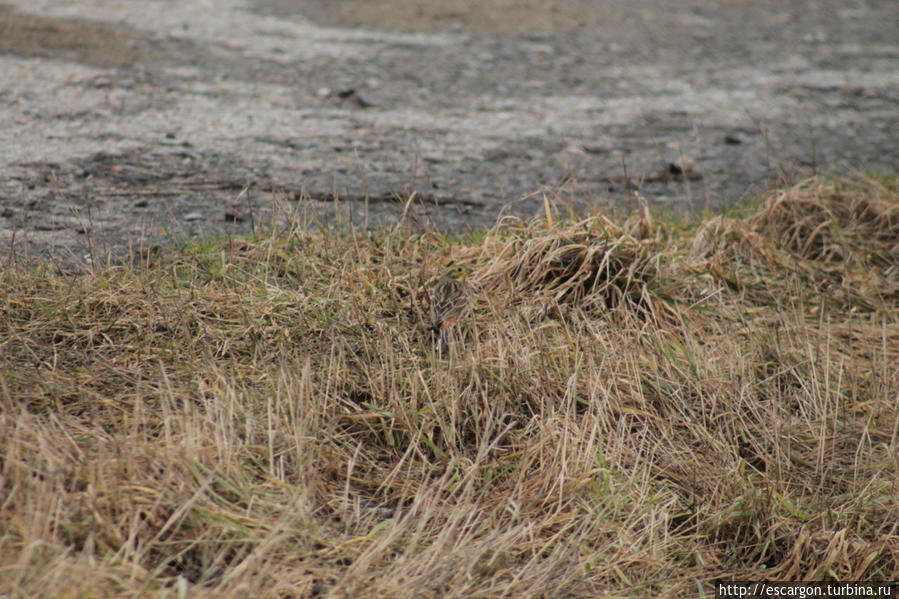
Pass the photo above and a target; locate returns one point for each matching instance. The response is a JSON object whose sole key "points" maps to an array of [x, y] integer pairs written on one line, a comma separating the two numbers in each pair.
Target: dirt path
{"points": [[127, 120]]}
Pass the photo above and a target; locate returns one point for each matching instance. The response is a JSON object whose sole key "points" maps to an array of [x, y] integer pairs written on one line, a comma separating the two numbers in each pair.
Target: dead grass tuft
{"points": [[593, 264], [840, 237], [637, 409], [834, 221]]}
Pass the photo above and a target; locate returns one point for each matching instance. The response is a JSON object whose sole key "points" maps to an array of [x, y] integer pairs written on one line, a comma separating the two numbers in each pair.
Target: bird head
{"points": [[459, 272]]}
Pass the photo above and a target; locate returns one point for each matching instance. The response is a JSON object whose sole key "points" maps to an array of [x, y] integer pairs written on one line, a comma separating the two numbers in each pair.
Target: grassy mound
{"points": [[635, 409]]}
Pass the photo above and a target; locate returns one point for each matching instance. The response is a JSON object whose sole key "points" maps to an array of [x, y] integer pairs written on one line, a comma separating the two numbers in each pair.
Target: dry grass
{"points": [[637, 409]]}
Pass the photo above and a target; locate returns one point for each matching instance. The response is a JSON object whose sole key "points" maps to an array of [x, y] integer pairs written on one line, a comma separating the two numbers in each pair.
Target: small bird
{"points": [[449, 304]]}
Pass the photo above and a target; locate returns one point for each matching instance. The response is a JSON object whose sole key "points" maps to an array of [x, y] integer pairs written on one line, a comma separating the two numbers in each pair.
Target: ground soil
{"points": [[127, 122]]}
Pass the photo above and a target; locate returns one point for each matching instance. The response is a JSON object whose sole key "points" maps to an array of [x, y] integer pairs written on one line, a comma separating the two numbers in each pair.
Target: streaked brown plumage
{"points": [[449, 304]]}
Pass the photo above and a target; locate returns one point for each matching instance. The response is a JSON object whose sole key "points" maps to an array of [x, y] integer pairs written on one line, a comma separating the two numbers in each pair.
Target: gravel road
{"points": [[127, 122]]}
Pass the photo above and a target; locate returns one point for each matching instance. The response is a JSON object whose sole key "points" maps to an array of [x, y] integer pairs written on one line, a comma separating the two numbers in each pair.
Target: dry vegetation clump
{"points": [[840, 236], [593, 264], [638, 409], [834, 221]]}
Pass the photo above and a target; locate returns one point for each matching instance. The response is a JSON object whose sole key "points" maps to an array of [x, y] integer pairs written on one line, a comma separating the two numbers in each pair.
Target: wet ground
{"points": [[127, 122]]}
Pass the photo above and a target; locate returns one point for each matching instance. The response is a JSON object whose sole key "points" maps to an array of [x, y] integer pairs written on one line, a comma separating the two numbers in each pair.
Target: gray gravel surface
{"points": [[127, 122]]}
